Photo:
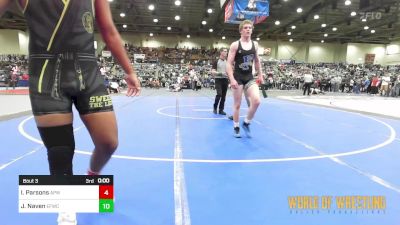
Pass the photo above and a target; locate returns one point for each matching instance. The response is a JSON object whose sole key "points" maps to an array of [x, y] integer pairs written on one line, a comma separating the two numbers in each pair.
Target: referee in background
{"points": [[221, 82]]}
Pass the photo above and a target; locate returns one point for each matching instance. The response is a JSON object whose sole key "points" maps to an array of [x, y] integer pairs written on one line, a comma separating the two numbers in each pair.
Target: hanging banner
{"points": [[267, 51], [239, 10], [369, 58]]}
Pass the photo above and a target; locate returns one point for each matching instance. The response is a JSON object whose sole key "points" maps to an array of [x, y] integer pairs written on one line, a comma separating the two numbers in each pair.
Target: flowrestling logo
{"points": [[370, 15]]}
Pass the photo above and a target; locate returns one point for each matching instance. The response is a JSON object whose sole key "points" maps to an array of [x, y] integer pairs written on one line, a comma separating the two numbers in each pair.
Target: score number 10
{"points": [[106, 198]]}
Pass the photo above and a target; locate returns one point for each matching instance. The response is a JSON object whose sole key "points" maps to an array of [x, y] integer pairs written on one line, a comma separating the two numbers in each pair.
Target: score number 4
{"points": [[106, 196]]}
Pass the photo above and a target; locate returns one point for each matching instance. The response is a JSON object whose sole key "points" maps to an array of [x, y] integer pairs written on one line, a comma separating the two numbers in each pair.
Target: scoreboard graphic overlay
{"points": [[78, 193]]}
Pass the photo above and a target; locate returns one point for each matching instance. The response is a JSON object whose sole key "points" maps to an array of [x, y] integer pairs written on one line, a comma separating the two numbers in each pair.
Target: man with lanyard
{"points": [[242, 55], [221, 81]]}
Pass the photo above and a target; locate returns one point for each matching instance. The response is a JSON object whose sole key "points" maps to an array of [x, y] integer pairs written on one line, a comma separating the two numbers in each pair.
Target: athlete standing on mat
{"points": [[63, 72], [242, 54]]}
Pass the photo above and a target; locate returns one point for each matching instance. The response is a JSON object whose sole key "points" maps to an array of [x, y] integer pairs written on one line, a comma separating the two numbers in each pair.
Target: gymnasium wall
{"points": [[325, 52], [292, 50], [23, 39], [356, 53], [10, 43], [392, 53]]}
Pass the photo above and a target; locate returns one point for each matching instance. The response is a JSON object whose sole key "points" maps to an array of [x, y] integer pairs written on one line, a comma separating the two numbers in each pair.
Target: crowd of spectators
{"points": [[184, 68], [329, 77], [13, 71], [172, 55]]}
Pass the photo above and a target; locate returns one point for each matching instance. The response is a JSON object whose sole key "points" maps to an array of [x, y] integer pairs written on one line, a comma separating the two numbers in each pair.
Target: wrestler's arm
{"points": [[114, 42], [229, 64], [4, 4], [257, 63]]}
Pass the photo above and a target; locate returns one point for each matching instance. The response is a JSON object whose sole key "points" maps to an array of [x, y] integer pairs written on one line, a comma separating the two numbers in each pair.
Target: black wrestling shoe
{"points": [[236, 132], [246, 128], [221, 112]]}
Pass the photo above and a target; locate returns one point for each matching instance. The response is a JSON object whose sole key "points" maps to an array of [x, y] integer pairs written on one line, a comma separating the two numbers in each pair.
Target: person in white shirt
{"points": [[308, 79], [103, 71], [385, 85]]}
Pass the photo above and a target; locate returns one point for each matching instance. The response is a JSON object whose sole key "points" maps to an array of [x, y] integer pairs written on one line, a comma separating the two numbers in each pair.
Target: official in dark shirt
{"points": [[221, 81]]}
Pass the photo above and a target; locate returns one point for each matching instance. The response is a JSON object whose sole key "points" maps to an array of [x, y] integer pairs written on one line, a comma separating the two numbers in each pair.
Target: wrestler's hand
{"points": [[133, 85], [260, 79], [234, 84]]}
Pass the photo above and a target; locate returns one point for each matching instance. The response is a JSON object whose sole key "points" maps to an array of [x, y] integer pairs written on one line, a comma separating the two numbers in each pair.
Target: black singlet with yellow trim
{"points": [[58, 26], [244, 64], [62, 64]]}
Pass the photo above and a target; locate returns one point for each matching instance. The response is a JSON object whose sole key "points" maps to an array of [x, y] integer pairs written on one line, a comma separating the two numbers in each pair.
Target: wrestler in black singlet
{"points": [[244, 65], [62, 64]]}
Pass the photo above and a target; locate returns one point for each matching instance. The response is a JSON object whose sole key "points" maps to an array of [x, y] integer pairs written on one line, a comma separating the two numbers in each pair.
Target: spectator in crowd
{"points": [[374, 85], [308, 80], [385, 85]]}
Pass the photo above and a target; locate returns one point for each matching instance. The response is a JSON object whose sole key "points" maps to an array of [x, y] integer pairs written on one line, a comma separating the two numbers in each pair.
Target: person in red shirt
{"points": [[374, 85]]}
